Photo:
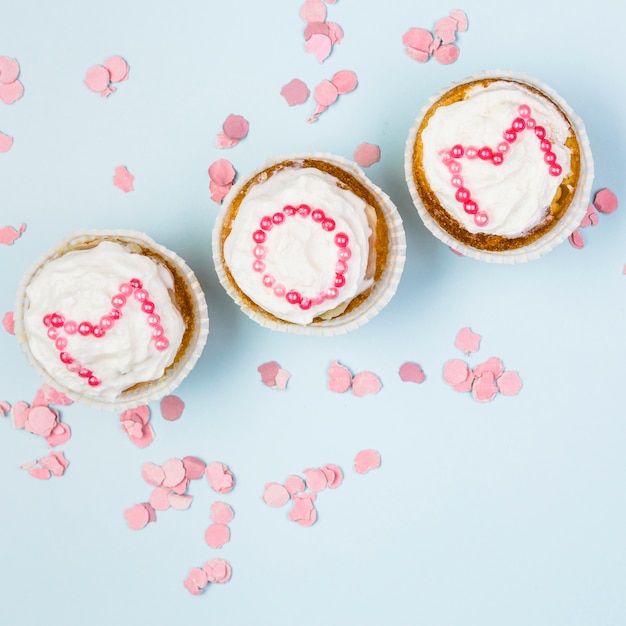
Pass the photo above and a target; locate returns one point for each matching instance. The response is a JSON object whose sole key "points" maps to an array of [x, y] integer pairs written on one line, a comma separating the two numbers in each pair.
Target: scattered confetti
{"points": [[214, 571], [217, 535], [410, 372], [8, 322], [303, 511], [8, 234], [577, 240], [99, 78], [273, 376], [467, 341], [136, 424], [420, 44], [172, 408], [339, 378], [220, 477], [222, 513], [123, 179], [319, 35], [6, 142], [590, 218], [605, 201], [365, 383], [234, 129], [366, 154], [277, 495], [139, 515], [366, 460], [54, 464], [295, 92], [327, 91], [222, 175], [11, 89]]}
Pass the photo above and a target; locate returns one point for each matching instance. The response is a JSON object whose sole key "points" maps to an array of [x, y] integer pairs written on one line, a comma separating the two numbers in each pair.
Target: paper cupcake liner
{"points": [[381, 292], [149, 391], [562, 229]]}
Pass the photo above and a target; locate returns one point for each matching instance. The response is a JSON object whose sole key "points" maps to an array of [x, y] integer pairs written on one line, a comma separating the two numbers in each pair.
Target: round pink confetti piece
{"points": [[222, 172], [334, 475], [418, 39], [411, 373], [605, 201], [509, 383], [117, 67], [325, 93], [6, 141], [97, 78], [8, 322], [335, 32], [217, 535], [484, 388], [9, 70], [467, 341], [446, 53], [303, 511], [313, 11], [123, 179], [366, 460], [219, 477], [461, 19], [11, 92], [224, 141], [235, 127], [153, 474], [181, 487], [137, 516], [275, 495], [365, 383], [179, 501], [40, 473], [194, 467], [366, 154], [19, 414], [345, 81], [339, 378], [41, 420], [60, 434], [492, 364], [160, 498], [456, 371], [446, 28], [294, 484], [268, 372], [576, 239], [196, 581], [222, 513], [316, 480], [320, 46], [218, 570], [174, 472], [295, 92], [172, 408], [417, 55]]}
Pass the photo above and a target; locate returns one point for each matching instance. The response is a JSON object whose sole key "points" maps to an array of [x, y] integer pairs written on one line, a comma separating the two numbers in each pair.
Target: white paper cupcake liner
{"points": [[562, 229], [146, 392], [382, 291]]}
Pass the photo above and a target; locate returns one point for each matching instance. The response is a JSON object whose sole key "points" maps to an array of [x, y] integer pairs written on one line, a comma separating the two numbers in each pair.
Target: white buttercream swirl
{"points": [[300, 254], [516, 194], [79, 285]]}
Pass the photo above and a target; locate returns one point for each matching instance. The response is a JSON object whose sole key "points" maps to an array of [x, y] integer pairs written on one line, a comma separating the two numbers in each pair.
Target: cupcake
{"points": [[499, 167], [307, 244], [111, 318]]}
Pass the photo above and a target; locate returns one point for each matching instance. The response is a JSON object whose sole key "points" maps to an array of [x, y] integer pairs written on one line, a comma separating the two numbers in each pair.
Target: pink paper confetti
{"points": [[41, 420], [277, 495], [172, 408], [294, 484], [303, 511], [138, 516], [467, 341], [509, 383], [179, 501], [366, 460], [222, 513], [605, 201], [49, 395], [446, 53], [235, 127], [6, 142], [8, 234], [365, 383], [420, 43], [11, 92], [153, 474], [590, 218], [313, 11], [99, 78], [418, 39], [217, 570], [295, 92], [326, 91], [410, 372], [319, 46], [118, 69], [577, 240], [334, 475], [9, 70], [217, 535], [196, 581], [8, 322], [484, 388], [315, 479], [136, 424], [345, 81], [319, 35], [220, 478], [123, 179], [366, 154], [194, 467], [222, 172], [339, 378], [273, 376], [492, 364]]}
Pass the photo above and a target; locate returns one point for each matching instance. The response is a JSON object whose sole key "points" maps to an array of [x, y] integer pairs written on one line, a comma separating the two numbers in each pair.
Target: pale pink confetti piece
{"points": [[313, 11], [456, 371], [5, 407], [605, 201], [509, 383], [196, 581], [181, 487], [276, 495], [172, 408], [467, 341], [345, 81], [222, 513], [417, 55], [133, 428], [335, 32], [366, 154], [282, 378], [97, 78], [303, 511], [576, 239], [484, 388], [40, 473], [339, 378], [218, 570], [418, 39], [492, 364], [160, 498], [294, 484], [320, 46], [28, 465], [6, 142], [194, 467], [268, 372], [8, 234], [41, 420], [9, 69], [179, 501], [334, 475], [123, 179], [295, 92], [236, 127], [590, 218], [117, 67], [55, 462], [466, 385], [366, 460], [410, 372], [325, 93], [316, 480], [142, 413], [224, 141], [49, 395], [11, 92], [19, 414], [153, 474], [60, 434], [461, 19], [434, 45], [365, 383], [222, 172], [137, 516], [9, 323], [146, 437], [319, 109], [217, 535], [174, 472], [220, 478], [219, 192], [446, 28], [446, 53]]}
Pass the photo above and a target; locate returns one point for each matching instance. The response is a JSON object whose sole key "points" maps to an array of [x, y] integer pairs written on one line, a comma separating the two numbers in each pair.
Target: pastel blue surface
{"points": [[506, 513]]}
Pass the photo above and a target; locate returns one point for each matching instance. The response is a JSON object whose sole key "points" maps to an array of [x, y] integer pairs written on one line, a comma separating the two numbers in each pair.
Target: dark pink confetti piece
{"points": [[467, 341], [577, 240], [172, 408], [295, 92], [194, 467], [365, 383], [366, 460], [277, 495], [217, 535], [8, 322], [410, 372], [268, 372], [590, 218], [605, 201], [235, 127], [8, 234], [123, 179], [6, 142], [366, 154]]}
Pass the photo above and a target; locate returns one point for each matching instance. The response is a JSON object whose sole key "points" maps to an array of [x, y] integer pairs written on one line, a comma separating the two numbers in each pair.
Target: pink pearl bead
{"points": [[556, 169], [471, 152], [266, 223], [141, 295], [454, 167], [509, 135], [162, 344], [457, 180], [85, 328], [73, 366], [318, 299], [278, 218], [60, 343], [340, 280], [52, 333], [157, 331], [341, 240], [503, 147], [446, 156], [118, 300], [57, 320], [305, 304], [47, 320], [332, 293], [457, 151], [93, 381], [462, 194], [268, 280], [258, 266], [115, 314], [106, 321], [154, 319], [518, 125], [328, 225], [470, 207], [341, 267], [293, 297], [481, 219], [540, 131], [126, 289], [259, 252], [549, 157], [136, 283], [289, 210], [85, 372], [98, 331], [524, 111], [259, 236], [304, 210], [147, 306], [318, 215], [279, 290], [70, 327], [497, 158], [344, 254], [485, 153], [66, 358], [545, 145], [531, 123]]}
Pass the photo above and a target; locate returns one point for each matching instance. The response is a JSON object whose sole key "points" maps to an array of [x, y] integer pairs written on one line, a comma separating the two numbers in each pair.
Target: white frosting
{"points": [[515, 194], [79, 285], [301, 255]]}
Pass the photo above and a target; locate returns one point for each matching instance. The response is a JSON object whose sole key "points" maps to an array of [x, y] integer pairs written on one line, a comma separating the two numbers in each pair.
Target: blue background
{"points": [[511, 512]]}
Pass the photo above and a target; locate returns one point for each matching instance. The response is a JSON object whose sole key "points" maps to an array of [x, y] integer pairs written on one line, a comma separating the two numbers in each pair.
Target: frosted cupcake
{"points": [[499, 167], [308, 244], [111, 318]]}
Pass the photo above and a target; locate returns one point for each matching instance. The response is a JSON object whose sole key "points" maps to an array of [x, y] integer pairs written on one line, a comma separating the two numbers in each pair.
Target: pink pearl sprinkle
{"points": [[47, 320], [470, 207], [305, 304], [462, 194], [531, 123], [85, 372], [341, 267], [457, 181], [471, 152], [136, 283], [344, 254], [446, 156], [278, 218], [259, 236], [340, 280], [259, 252], [457, 151], [70, 327], [304, 210], [153, 320], [556, 169], [328, 225], [540, 131], [157, 331], [93, 381], [73, 366], [161, 344], [318, 215], [481, 219], [279, 290], [518, 124], [268, 280], [258, 266], [266, 223], [332, 293], [106, 321], [66, 358], [85, 328], [341, 240], [293, 297], [147, 306], [454, 167], [118, 300], [524, 111], [57, 320], [52, 333], [141, 295], [497, 158], [289, 210], [98, 331], [503, 147], [318, 299], [61, 343], [126, 289]]}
